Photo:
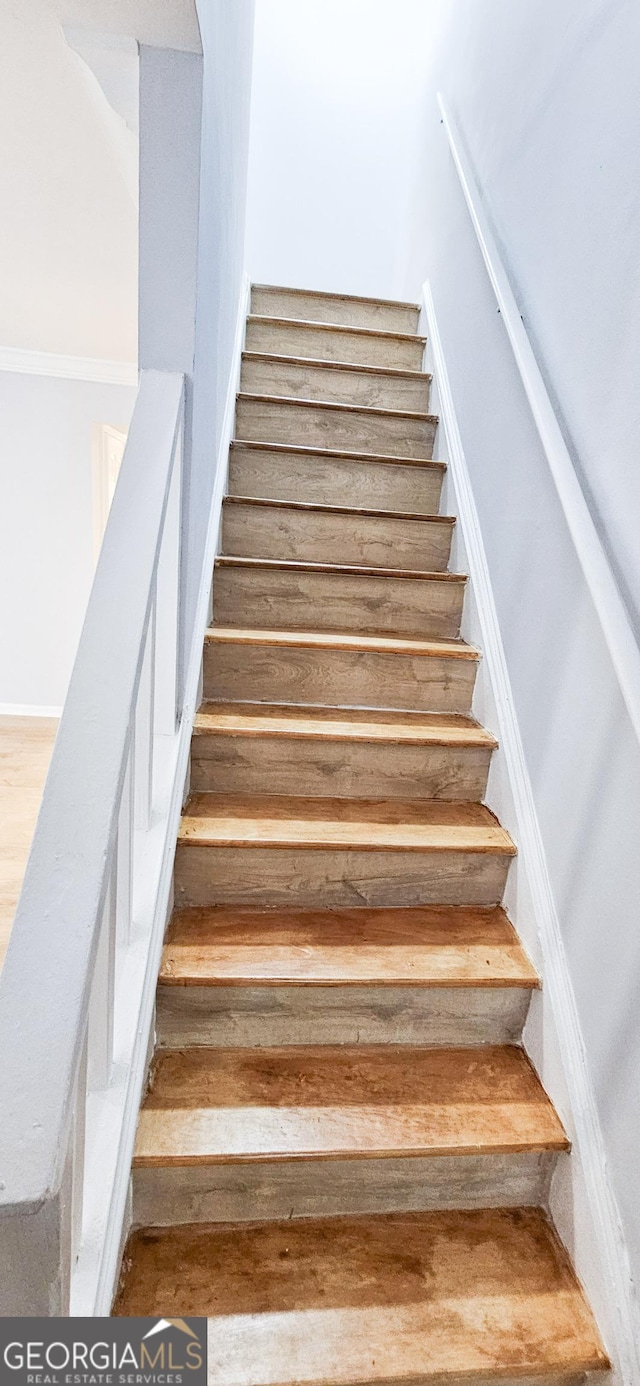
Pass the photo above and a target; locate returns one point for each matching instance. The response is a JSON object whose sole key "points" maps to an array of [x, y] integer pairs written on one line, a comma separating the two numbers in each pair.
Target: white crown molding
{"points": [[29, 710], [98, 371]]}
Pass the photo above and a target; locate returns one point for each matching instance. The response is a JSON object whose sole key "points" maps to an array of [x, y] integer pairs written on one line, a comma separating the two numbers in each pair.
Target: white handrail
{"points": [[605, 594], [75, 968]]}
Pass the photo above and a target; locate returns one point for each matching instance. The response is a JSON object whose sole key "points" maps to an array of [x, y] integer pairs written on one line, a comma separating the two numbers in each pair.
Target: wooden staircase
{"points": [[344, 1154]]}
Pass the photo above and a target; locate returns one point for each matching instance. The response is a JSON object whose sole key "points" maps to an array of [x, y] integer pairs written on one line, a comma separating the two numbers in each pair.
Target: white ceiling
{"points": [[68, 216]]}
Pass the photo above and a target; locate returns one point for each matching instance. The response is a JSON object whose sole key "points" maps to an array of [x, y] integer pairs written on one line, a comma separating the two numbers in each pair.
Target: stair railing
{"points": [[77, 989], [612, 613]]}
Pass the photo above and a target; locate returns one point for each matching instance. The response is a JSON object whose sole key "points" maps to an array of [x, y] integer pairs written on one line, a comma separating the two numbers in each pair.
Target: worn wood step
{"points": [[297, 377], [278, 850], [436, 947], [274, 419], [207, 1106], [321, 476], [313, 305], [268, 748], [421, 1299], [251, 977], [338, 670], [296, 1108], [383, 601], [335, 534], [362, 346]]}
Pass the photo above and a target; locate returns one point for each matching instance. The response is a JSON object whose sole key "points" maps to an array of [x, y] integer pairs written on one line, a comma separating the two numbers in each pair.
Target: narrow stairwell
{"points": [[344, 1154]]}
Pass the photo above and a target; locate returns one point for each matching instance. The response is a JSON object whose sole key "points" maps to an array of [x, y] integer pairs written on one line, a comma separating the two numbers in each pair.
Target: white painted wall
{"points": [[227, 42], [68, 225], [46, 560], [548, 106], [337, 87]]}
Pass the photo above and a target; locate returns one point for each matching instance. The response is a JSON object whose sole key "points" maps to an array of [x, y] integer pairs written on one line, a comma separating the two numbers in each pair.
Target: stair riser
{"points": [[326, 382], [266, 1190], [323, 344], [312, 307], [337, 678], [352, 430], [273, 765], [334, 481], [256, 531], [277, 599], [315, 878], [255, 1017]]}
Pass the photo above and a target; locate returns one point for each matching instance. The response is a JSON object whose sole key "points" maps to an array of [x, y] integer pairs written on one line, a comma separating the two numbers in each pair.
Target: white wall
{"points": [[227, 42], [336, 97], [46, 563], [68, 225], [549, 109]]}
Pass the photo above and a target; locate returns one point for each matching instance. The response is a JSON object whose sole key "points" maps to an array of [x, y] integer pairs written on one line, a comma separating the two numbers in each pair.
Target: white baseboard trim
{"points": [[99, 372], [104, 1279], [29, 710], [615, 1280]]}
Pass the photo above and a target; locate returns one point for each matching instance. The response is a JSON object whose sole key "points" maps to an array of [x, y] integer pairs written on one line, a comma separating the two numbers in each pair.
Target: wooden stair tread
{"points": [[342, 640], [329, 295], [256, 445], [335, 327], [320, 363], [343, 1101], [449, 946], [415, 729], [340, 569], [409, 1299], [367, 409], [289, 821], [356, 511]]}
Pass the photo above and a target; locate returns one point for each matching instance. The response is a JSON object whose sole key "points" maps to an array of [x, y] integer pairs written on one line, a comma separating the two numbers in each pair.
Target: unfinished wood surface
{"points": [[269, 764], [345, 725], [260, 593], [26, 744], [317, 1102], [427, 1299], [271, 820], [266, 418], [248, 1192], [254, 1016], [360, 345], [319, 476], [314, 534], [259, 748], [315, 306], [298, 377], [334, 878], [341, 640], [306, 668], [439, 947]]}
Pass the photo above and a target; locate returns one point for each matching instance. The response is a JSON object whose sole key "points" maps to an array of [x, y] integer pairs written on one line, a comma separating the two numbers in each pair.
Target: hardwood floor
{"points": [[344, 1155], [26, 744]]}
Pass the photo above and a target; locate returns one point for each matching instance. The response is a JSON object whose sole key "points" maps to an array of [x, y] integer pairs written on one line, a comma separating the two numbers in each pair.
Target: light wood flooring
{"points": [[26, 744]]}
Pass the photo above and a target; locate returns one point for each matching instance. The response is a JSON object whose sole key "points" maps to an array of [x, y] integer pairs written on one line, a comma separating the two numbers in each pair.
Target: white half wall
{"points": [[46, 559]]}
